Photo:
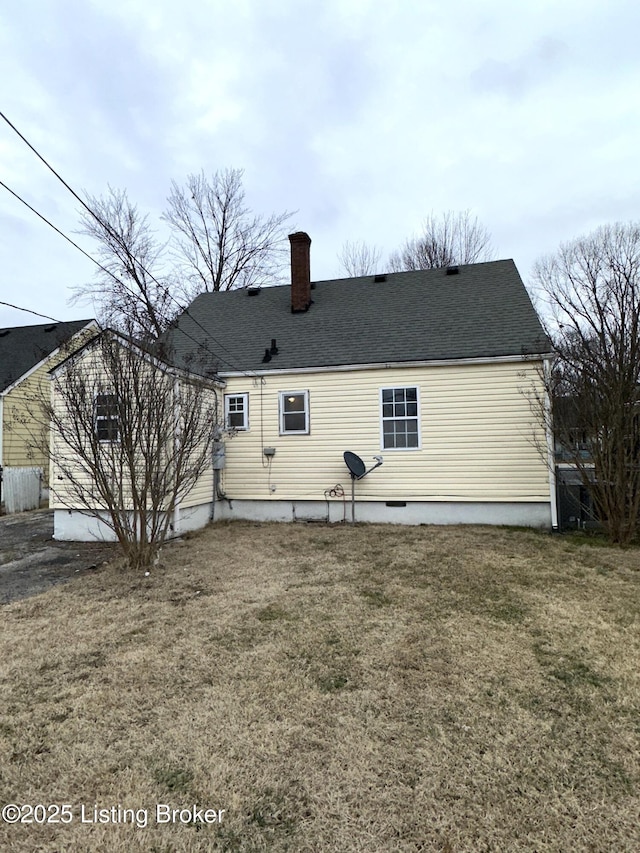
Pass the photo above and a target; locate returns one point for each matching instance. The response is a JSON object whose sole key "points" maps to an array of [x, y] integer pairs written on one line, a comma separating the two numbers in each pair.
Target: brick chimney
{"points": [[300, 272]]}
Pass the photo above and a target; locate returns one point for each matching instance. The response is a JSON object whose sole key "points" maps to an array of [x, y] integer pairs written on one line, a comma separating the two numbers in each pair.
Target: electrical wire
{"points": [[29, 311], [61, 233], [113, 276], [115, 236]]}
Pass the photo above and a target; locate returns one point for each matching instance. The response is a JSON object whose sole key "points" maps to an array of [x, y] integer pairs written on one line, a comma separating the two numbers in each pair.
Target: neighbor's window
{"points": [[399, 408], [107, 425], [294, 412], [236, 411]]}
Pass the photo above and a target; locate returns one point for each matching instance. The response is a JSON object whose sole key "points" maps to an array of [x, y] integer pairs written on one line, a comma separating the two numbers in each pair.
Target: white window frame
{"points": [[98, 419], [282, 395], [384, 419], [245, 410]]}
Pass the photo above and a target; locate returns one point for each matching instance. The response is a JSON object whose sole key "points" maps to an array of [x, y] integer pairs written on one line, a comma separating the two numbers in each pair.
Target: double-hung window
{"points": [[400, 418], [236, 411], [294, 412], [106, 417]]}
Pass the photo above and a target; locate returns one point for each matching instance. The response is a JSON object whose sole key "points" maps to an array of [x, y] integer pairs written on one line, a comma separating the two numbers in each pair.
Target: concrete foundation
{"points": [[392, 512], [74, 525]]}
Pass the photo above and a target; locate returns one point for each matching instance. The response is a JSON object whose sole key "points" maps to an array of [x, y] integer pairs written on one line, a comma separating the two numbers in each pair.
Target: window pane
{"points": [[388, 430], [411, 393], [236, 419], [106, 405], [387, 395], [412, 409], [294, 422], [400, 410], [107, 429], [387, 410], [294, 403], [398, 395], [412, 439]]}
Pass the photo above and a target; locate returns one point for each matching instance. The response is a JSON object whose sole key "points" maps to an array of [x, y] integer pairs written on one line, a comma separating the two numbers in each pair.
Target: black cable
{"points": [[119, 281], [98, 264], [29, 311], [61, 233], [118, 239]]}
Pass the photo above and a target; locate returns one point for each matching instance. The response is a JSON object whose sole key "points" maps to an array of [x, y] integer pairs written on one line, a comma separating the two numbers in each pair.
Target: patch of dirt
{"points": [[31, 561]]}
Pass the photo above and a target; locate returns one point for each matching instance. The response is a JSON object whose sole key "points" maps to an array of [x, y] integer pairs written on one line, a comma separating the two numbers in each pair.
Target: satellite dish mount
{"points": [[357, 470]]}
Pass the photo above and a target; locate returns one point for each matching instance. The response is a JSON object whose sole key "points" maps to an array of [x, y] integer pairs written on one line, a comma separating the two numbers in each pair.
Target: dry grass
{"points": [[334, 689]]}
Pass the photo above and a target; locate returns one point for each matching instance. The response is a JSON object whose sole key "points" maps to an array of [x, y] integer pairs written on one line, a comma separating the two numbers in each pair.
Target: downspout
{"points": [[551, 462], [217, 434], [218, 445], [218, 493]]}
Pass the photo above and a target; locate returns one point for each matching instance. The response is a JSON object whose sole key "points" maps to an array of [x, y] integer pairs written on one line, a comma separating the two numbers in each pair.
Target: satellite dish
{"points": [[355, 465]]}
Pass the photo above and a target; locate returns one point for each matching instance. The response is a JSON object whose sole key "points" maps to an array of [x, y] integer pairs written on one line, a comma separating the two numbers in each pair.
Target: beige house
{"points": [[424, 377], [27, 353], [431, 370]]}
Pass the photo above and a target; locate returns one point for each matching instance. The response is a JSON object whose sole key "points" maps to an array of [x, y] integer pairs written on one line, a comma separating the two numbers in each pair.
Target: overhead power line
{"points": [[29, 311], [58, 231], [114, 235], [98, 264]]}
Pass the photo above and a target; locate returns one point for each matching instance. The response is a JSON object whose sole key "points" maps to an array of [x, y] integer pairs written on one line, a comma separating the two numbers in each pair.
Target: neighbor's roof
{"points": [[424, 315], [24, 347]]}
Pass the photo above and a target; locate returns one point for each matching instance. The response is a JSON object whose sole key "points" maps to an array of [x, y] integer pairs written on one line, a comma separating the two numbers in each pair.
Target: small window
{"points": [[236, 411], [294, 412], [107, 424], [399, 407]]}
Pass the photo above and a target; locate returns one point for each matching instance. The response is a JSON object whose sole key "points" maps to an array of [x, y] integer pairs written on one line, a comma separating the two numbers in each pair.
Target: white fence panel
{"points": [[21, 489]]}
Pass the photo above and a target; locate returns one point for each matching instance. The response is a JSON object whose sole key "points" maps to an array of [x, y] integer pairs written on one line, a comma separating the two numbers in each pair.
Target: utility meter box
{"points": [[218, 455]]}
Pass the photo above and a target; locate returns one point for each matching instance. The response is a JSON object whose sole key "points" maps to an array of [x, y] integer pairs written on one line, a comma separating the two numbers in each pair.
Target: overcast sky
{"points": [[362, 116]]}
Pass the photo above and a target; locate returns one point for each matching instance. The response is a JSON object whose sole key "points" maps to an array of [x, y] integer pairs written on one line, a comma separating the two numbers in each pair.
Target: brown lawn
{"points": [[367, 688]]}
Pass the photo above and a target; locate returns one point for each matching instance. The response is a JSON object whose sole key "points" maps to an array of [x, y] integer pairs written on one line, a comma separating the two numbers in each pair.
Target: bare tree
{"points": [[220, 242], [130, 437], [446, 239], [592, 289], [359, 258], [126, 292]]}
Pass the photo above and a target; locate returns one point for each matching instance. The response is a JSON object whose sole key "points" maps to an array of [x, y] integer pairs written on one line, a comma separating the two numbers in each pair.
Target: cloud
{"points": [[516, 77], [363, 116]]}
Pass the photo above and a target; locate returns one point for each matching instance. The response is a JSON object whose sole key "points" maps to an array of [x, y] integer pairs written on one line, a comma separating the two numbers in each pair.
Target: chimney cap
{"points": [[299, 237]]}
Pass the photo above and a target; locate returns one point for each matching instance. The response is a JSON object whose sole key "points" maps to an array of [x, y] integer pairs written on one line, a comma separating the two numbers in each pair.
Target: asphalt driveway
{"points": [[31, 561]]}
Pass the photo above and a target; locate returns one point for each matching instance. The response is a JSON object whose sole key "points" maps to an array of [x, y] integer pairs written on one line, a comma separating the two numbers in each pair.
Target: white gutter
{"points": [[553, 494], [347, 368]]}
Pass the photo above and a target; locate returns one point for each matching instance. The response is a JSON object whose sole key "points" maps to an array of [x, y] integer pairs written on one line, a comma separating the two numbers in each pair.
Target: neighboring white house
{"points": [[131, 443]]}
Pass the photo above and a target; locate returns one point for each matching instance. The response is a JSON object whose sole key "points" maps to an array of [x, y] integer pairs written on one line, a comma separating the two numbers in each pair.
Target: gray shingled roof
{"points": [[422, 315], [22, 347]]}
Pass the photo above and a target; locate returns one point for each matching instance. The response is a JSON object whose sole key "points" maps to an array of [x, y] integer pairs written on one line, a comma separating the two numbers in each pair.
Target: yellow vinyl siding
{"points": [[477, 436], [25, 432], [202, 492]]}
